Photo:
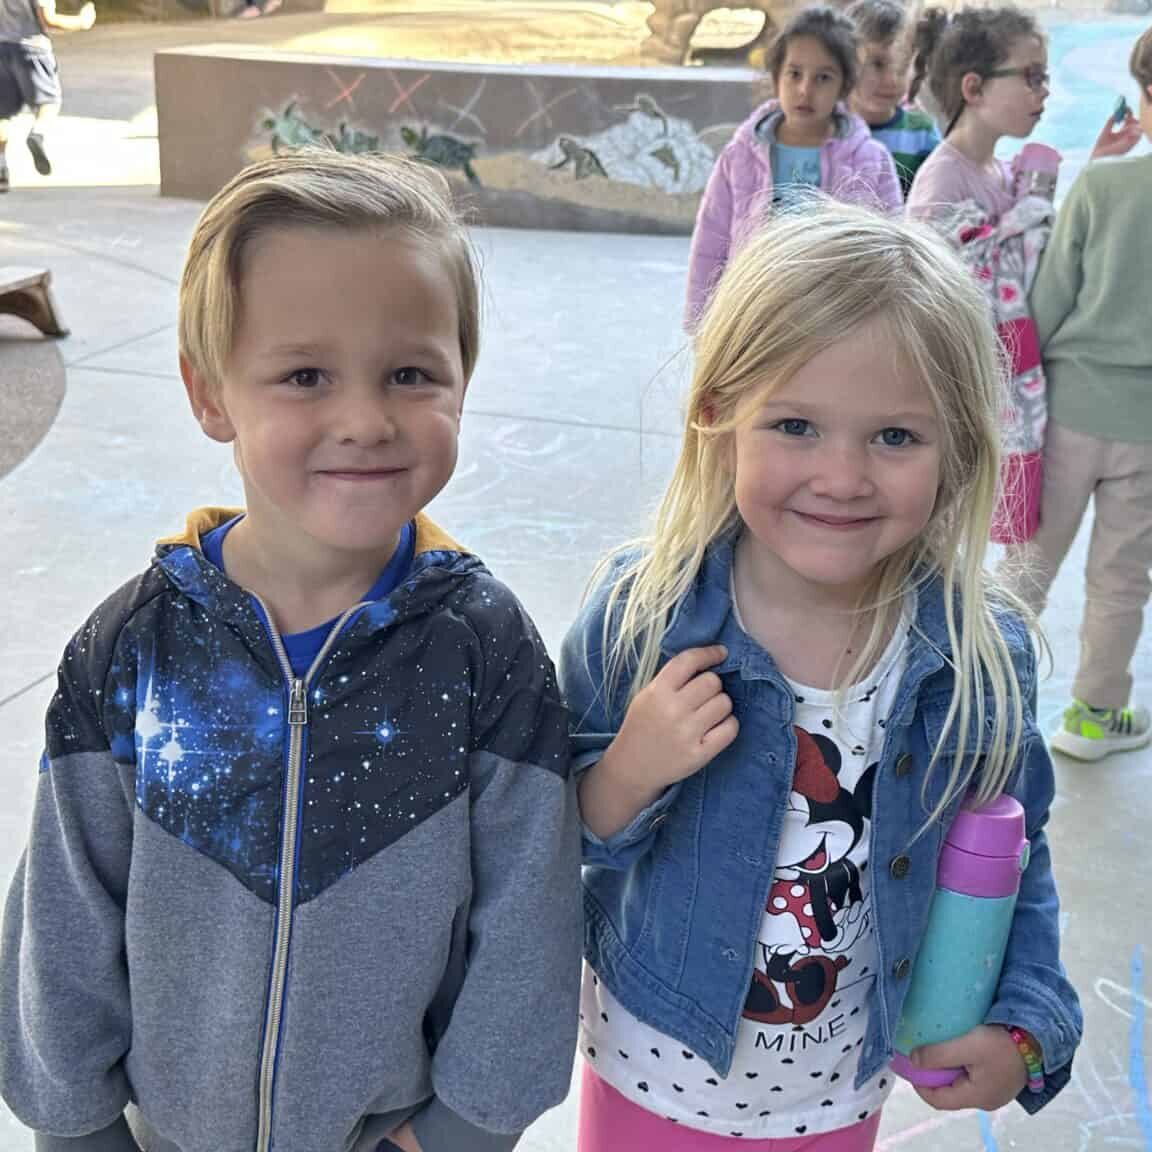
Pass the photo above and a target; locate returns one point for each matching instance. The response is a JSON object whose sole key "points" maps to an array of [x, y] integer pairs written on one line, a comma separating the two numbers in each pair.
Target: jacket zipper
{"points": [[297, 727]]}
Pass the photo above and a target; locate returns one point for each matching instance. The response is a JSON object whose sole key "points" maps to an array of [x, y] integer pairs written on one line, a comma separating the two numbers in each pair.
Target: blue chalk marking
{"points": [[1137, 1074], [990, 1144]]}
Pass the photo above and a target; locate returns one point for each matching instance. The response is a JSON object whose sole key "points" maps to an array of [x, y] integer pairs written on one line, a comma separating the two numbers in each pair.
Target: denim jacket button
{"points": [[657, 820], [903, 765], [901, 968], [900, 867]]}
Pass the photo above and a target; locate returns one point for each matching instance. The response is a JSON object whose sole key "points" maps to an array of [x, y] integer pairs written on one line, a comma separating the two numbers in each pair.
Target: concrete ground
{"points": [[569, 433]]}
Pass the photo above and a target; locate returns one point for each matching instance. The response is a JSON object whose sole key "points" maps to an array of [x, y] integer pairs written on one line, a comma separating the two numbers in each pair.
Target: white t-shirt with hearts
{"points": [[798, 1042]]}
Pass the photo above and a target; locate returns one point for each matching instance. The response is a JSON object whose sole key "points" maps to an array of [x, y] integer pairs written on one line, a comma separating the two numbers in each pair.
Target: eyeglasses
{"points": [[1035, 78]]}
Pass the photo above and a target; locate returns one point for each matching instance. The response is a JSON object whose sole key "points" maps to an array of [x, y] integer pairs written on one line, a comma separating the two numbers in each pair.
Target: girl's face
{"points": [[1009, 99], [809, 85], [883, 82], [840, 468]]}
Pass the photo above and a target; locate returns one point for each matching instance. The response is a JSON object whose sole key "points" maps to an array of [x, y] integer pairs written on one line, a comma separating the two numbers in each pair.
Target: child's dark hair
{"points": [[1141, 63], [832, 28], [973, 40], [878, 21]]}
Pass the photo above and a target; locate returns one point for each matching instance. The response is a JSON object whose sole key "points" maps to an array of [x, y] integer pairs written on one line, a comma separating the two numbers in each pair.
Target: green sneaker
{"points": [[1093, 733]]}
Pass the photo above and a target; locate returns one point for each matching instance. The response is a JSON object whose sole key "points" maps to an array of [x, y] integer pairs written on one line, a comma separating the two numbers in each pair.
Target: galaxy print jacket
{"points": [[264, 913]]}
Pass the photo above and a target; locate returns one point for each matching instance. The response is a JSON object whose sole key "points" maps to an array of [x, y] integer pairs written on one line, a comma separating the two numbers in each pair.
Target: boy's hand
{"points": [[676, 723], [1117, 140], [994, 1071], [87, 16], [404, 1138]]}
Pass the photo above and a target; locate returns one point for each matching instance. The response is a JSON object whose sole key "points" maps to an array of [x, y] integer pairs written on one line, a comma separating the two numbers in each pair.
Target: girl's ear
{"points": [[971, 87]]}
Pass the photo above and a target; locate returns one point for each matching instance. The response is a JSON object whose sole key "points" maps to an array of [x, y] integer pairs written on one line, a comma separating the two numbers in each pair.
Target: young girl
{"points": [[987, 77], [881, 91], [984, 72], [803, 139], [780, 701]]}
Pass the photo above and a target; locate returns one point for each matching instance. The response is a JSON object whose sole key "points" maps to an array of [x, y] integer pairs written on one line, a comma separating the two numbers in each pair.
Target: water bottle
{"points": [[957, 970], [1035, 171]]}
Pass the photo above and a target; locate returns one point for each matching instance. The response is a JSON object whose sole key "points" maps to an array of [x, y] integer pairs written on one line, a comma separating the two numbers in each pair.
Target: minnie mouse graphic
{"points": [[816, 909]]}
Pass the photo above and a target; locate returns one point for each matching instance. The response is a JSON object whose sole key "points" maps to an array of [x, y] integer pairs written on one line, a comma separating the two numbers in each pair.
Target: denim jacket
{"points": [[674, 901]]}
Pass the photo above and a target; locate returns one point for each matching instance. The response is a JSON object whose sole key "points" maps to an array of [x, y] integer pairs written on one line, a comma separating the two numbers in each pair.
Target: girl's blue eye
{"points": [[410, 377], [305, 377], [896, 437], [793, 426]]}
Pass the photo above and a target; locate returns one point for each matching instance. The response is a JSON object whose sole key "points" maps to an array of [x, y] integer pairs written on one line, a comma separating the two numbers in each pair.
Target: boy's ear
{"points": [[971, 87], [204, 398]]}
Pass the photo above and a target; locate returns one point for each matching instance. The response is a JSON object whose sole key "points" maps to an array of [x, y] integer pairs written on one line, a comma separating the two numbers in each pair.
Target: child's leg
{"points": [[1118, 582], [611, 1123], [1072, 465]]}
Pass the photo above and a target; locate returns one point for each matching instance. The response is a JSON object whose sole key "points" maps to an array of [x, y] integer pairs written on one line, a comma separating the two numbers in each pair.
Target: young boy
{"points": [[304, 864], [882, 87], [1090, 304], [28, 73]]}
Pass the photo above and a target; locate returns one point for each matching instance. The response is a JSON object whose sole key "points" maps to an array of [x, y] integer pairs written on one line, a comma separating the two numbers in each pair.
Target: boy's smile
{"points": [[343, 392]]}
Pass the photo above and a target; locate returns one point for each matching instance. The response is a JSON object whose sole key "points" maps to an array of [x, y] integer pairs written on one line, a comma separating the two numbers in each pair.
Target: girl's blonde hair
{"points": [[314, 188], [802, 284]]}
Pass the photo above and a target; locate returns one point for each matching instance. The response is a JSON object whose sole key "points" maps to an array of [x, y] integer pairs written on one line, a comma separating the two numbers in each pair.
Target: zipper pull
{"points": [[298, 705]]}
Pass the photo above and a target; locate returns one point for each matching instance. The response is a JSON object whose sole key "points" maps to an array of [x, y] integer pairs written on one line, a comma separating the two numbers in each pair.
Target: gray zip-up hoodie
{"points": [[270, 914]]}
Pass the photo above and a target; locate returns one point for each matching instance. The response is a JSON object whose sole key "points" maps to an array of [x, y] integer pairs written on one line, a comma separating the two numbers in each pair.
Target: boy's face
{"points": [[344, 388], [883, 82]]}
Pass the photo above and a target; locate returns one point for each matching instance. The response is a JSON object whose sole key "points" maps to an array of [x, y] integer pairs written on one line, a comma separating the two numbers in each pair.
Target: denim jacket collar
{"points": [[704, 616]]}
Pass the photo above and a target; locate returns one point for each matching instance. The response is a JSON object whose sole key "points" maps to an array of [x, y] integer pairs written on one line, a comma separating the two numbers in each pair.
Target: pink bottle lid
{"points": [[985, 850], [1038, 158]]}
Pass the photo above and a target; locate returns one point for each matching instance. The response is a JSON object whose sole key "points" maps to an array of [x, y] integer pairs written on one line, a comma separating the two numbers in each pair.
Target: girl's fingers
{"points": [[704, 686], [689, 663], [712, 712], [715, 740]]}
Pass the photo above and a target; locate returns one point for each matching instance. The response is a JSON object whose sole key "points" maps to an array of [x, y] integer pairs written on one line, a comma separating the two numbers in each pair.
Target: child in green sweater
{"points": [[1090, 303], [882, 87]]}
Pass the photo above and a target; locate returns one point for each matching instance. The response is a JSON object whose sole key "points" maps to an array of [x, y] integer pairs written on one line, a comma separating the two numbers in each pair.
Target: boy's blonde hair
{"points": [[803, 283], [314, 189]]}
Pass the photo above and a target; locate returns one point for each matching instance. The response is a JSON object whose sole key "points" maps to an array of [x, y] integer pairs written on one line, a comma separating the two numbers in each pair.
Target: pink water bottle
{"points": [[957, 969], [1035, 171]]}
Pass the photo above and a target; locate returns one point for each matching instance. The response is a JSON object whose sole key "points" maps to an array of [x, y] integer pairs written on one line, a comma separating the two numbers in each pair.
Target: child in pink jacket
{"points": [[802, 141]]}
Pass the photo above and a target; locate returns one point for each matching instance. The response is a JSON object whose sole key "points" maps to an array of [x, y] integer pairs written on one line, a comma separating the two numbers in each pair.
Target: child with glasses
{"points": [[984, 75]]}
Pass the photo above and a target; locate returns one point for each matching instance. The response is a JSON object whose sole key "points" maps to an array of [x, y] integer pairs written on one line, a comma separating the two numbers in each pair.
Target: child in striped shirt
{"points": [[882, 87]]}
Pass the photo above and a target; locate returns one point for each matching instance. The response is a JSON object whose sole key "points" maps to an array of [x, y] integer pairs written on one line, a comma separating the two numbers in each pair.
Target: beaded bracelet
{"points": [[1030, 1052]]}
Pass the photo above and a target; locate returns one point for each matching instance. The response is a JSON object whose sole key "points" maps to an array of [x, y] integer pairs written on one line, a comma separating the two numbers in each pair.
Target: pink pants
{"points": [[610, 1123]]}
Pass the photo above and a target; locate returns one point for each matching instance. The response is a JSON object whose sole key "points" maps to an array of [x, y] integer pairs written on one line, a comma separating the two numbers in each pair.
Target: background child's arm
{"points": [[53, 21], [506, 1054], [1058, 279], [65, 1019], [711, 241]]}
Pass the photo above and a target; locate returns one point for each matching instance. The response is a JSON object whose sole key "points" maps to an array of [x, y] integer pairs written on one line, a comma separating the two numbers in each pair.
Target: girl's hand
{"points": [[673, 727], [676, 724], [994, 1071], [1117, 140], [87, 16], [404, 1138]]}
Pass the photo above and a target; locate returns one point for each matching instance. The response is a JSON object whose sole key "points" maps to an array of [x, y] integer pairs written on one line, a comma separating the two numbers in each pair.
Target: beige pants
{"points": [[1118, 473]]}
